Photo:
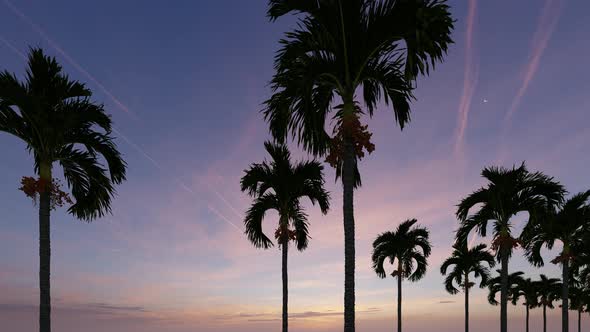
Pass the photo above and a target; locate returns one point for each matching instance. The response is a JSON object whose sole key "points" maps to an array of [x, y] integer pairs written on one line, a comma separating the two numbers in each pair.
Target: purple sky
{"points": [[184, 82]]}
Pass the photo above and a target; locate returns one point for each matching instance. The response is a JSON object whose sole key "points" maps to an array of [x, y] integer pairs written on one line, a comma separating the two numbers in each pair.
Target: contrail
{"points": [[469, 79], [69, 59], [13, 48], [545, 26], [176, 180], [113, 98], [547, 23]]}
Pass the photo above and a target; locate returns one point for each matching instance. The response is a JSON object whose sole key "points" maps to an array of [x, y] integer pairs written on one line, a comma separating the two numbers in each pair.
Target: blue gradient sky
{"points": [[184, 81]]}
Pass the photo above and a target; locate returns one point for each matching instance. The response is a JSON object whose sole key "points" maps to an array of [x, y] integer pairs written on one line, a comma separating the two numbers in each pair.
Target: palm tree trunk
{"points": [[544, 318], [349, 247], [504, 293], [285, 284], [527, 317], [399, 298], [44, 251], [579, 320], [466, 302], [565, 295]]}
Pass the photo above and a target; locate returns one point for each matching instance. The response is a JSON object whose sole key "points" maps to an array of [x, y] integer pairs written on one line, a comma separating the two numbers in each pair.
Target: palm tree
{"points": [[549, 290], [509, 191], [495, 285], [54, 116], [407, 247], [339, 48], [527, 289], [580, 301], [280, 185], [466, 261], [565, 225]]}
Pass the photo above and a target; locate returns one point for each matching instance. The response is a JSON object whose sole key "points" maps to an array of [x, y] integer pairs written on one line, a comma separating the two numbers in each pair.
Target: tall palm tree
{"points": [[54, 116], [341, 48], [466, 261], [508, 192], [280, 186], [408, 247], [527, 289], [566, 226], [549, 290]]}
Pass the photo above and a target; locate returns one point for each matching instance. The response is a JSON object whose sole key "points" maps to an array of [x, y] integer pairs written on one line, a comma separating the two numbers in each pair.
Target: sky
{"points": [[184, 82]]}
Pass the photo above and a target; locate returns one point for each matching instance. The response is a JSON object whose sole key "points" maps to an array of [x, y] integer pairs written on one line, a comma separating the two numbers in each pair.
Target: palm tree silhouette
{"points": [[408, 248], [280, 185], [495, 286], [527, 289], [464, 262], [580, 301], [59, 123], [565, 225], [508, 192], [339, 48], [549, 290]]}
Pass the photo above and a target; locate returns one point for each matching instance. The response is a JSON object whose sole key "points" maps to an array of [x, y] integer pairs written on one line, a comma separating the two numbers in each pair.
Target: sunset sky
{"points": [[184, 82]]}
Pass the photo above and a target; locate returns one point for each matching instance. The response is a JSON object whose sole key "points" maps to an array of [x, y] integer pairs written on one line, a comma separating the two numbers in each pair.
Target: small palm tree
{"points": [[508, 192], [408, 248], [54, 116], [280, 185], [549, 290], [341, 49], [566, 226], [495, 286], [466, 261], [580, 301], [527, 289]]}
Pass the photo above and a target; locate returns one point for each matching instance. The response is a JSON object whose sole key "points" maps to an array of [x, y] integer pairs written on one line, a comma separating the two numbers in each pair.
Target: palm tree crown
{"points": [[465, 261], [549, 290], [279, 186], [565, 225], [508, 192], [341, 46], [409, 246], [526, 289], [57, 120], [495, 285]]}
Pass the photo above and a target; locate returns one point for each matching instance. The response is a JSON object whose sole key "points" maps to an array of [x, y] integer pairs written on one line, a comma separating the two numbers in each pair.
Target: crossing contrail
{"points": [[546, 25], [115, 100]]}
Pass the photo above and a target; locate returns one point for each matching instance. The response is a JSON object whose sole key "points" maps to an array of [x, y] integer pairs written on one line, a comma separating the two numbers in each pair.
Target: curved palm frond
{"points": [[54, 116], [465, 261], [495, 284], [409, 245], [279, 185]]}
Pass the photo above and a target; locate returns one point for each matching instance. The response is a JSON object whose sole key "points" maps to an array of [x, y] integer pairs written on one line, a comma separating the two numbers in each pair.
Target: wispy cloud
{"points": [[470, 78], [546, 25]]}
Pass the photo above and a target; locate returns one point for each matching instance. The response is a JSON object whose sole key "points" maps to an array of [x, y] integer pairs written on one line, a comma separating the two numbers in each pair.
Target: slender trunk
{"points": [[527, 317], [349, 247], [544, 318], [504, 292], [44, 251], [565, 295], [285, 248], [399, 298], [579, 320], [466, 302]]}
